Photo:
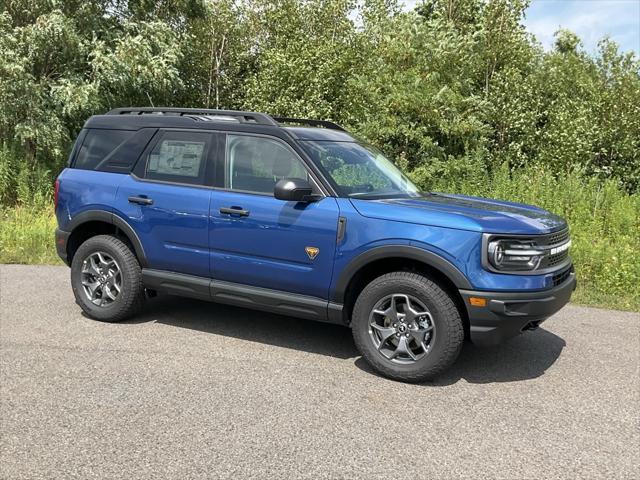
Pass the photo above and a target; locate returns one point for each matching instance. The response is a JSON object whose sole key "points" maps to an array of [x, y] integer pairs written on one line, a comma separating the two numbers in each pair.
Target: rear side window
{"points": [[179, 157], [98, 145]]}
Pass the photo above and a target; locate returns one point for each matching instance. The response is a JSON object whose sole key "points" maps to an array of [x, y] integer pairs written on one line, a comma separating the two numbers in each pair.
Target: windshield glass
{"points": [[359, 170]]}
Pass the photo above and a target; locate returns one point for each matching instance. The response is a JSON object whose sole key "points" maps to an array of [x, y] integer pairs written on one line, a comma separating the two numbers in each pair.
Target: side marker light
{"points": [[478, 302]]}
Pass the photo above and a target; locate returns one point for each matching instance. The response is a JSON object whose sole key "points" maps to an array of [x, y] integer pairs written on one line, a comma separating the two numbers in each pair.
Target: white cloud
{"points": [[591, 20]]}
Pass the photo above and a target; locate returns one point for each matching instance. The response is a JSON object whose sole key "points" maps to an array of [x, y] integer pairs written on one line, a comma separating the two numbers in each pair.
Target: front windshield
{"points": [[359, 170]]}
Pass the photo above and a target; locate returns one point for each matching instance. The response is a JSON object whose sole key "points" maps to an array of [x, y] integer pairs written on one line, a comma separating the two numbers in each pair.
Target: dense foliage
{"points": [[456, 91], [457, 85]]}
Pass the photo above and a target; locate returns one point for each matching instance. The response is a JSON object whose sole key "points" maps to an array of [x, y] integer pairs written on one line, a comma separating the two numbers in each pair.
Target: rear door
{"points": [[166, 200], [269, 243]]}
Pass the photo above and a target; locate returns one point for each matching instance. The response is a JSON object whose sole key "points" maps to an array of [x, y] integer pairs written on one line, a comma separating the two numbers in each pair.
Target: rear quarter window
{"points": [[98, 145]]}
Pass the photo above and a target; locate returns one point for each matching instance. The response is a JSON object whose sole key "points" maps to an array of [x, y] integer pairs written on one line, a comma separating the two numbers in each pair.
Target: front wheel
{"points": [[407, 327], [106, 279]]}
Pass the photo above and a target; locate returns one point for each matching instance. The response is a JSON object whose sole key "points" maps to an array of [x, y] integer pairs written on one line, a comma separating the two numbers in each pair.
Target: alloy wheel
{"points": [[401, 328], [101, 279]]}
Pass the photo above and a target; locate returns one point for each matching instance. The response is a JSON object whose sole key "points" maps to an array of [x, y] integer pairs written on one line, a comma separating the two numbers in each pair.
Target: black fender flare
{"points": [[397, 251], [117, 221]]}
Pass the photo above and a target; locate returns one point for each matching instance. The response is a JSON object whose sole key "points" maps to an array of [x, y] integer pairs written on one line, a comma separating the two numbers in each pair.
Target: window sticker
{"points": [[177, 157]]}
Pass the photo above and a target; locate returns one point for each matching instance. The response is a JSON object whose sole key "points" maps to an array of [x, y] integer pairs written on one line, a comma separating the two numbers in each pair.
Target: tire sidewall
{"points": [[432, 296], [93, 245]]}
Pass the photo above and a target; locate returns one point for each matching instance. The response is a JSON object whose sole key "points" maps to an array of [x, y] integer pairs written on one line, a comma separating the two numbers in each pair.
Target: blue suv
{"points": [[298, 217]]}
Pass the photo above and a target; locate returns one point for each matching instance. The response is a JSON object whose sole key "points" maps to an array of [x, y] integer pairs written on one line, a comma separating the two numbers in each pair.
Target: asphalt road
{"points": [[192, 389]]}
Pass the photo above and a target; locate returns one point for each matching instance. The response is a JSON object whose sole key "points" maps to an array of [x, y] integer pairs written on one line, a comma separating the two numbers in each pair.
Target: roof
{"points": [[134, 118]]}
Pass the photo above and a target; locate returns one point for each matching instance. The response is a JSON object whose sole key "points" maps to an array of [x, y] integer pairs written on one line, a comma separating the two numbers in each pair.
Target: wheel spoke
{"points": [[97, 295], [403, 349], [385, 333], [104, 263], [418, 334], [395, 303], [91, 287], [392, 312], [87, 281], [90, 266], [110, 294], [413, 315]]}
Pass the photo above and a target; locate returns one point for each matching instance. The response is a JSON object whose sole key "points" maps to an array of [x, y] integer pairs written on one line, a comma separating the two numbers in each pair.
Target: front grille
{"points": [[560, 277], [553, 238], [557, 259], [550, 240]]}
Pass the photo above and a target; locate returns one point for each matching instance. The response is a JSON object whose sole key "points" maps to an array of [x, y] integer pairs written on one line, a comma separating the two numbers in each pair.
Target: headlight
{"points": [[521, 254], [514, 255]]}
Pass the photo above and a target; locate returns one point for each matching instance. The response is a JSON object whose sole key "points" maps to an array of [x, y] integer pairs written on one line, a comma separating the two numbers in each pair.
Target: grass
{"points": [[590, 298], [26, 235], [604, 222]]}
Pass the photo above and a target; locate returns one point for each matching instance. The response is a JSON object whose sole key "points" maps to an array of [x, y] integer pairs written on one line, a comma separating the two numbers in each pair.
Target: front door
{"points": [[258, 240]]}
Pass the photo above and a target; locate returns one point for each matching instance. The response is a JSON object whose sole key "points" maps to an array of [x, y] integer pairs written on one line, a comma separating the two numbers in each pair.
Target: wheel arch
{"points": [[98, 222], [385, 259]]}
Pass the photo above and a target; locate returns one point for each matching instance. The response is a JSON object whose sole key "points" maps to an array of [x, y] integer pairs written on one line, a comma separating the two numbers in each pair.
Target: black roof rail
{"points": [[242, 117], [310, 122]]}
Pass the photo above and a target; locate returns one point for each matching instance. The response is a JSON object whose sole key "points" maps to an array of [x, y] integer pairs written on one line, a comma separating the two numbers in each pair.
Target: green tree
{"points": [[455, 89], [53, 74], [218, 56], [305, 50]]}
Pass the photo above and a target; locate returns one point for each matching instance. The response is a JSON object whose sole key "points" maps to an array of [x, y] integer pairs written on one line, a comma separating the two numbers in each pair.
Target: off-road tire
{"points": [[131, 297], [447, 342]]}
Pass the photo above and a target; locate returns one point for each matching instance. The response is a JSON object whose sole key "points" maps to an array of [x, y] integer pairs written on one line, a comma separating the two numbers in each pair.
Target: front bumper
{"points": [[505, 315], [62, 238]]}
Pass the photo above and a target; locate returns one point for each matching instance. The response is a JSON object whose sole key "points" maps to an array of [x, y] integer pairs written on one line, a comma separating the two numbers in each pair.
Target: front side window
{"points": [[359, 170], [256, 164], [179, 157]]}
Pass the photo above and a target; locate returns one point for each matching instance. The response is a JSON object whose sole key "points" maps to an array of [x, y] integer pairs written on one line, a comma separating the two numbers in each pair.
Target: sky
{"points": [[590, 19]]}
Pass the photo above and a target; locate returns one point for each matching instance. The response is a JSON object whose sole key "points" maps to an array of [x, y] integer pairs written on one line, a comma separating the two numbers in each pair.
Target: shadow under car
{"points": [[524, 357]]}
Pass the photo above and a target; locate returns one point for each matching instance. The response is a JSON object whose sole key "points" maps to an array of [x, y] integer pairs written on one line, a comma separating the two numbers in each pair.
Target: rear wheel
{"points": [[106, 279], [407, 327]]}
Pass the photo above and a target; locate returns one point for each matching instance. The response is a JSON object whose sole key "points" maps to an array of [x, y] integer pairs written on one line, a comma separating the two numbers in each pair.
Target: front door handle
{"points": [[234, 211], [141, 200]]}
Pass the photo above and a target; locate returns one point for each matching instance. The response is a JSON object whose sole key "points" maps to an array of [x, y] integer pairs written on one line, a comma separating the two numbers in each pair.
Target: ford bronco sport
{"points": [[298, 217]]}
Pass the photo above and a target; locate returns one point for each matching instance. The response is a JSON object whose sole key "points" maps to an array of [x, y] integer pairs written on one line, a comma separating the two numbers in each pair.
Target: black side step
{"points": [[257, 298]]}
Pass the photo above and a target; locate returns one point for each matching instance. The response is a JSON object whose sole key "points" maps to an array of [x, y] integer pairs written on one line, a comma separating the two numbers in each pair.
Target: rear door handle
{"points": [[141, 200], [234, 211]]}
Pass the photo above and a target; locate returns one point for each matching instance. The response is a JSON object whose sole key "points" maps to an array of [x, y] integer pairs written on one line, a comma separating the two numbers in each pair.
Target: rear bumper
{"points": [[505, 315], [62, 238]]}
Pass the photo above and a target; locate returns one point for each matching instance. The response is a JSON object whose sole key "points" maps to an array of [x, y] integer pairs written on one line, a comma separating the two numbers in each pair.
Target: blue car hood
{"points": [[462, 212]]}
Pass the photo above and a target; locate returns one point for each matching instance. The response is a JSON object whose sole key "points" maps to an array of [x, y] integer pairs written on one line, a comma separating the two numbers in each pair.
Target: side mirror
{"points": [[294, 190]]}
